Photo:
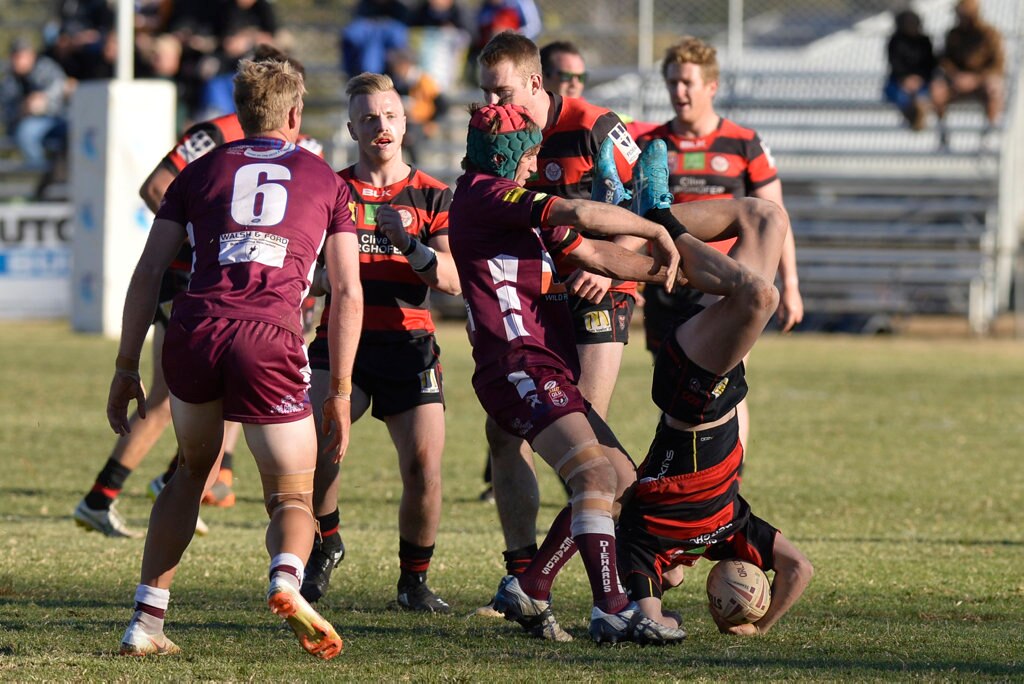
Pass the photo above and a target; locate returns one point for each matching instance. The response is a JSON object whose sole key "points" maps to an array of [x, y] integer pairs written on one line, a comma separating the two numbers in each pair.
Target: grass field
{"points": [[894, 463]]}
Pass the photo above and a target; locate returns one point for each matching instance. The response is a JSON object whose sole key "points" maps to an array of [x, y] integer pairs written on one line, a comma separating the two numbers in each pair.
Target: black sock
{"points": [[328, 525], [516, 560], [414, 561], [109, 484], [228, 462]]}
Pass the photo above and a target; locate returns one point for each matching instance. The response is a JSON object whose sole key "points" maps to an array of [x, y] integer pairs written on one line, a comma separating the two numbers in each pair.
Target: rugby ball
{"points": [[739, 591]]}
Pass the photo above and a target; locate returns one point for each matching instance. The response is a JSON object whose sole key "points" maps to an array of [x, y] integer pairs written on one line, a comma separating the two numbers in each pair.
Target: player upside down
{"points": [[686, 502]]}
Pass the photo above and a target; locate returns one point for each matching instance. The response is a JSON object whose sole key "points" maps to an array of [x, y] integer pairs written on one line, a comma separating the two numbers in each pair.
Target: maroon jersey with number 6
{"points": [[257, 213]]}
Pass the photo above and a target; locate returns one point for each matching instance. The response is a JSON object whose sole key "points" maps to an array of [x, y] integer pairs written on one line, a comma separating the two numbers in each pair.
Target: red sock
{"points": [[556, 550]]}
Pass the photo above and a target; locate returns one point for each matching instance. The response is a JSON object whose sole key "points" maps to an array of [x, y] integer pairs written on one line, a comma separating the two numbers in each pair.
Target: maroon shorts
{"points": [[259, 370], [525, 402]]}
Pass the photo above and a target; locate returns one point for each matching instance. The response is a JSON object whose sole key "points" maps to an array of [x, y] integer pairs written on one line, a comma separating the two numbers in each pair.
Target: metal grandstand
{"points": [[885, 221]]}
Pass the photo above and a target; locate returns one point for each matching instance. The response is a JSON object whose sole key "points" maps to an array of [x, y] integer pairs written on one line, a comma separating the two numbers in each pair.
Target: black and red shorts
{"points": [[691, 394], [606, 321], [397, 376], [665, 311]]}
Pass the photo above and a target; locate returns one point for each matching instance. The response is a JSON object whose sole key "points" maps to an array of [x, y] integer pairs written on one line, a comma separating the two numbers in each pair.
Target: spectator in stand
{"points": [[495, 16], [439, 37], [439, 13], [422, 99], [911, 68], [255, 17], [563, 67], [82, 27], [33, 97], [377, 28], [971, 65]]}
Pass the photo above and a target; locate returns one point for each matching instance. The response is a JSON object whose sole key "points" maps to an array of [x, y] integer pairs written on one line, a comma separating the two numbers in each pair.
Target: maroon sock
{"points": [[556, 550], [598, 554]]}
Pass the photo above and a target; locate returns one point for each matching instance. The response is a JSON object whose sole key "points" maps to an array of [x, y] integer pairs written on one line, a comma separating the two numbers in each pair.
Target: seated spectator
{"points": [[971, 65], [911, 68], [33, 98], [82, 27], [377, 28], [255, 17]]}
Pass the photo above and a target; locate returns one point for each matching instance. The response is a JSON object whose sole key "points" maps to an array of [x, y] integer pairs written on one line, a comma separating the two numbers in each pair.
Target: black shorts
{"points": [[397, 376], [691, 394], [606, 321], [664, 311], [686, 506], [172, 284]]}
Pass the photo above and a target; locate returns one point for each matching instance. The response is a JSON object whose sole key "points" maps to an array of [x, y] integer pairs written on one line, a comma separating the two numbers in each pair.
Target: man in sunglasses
{"points": [[563, 68]]}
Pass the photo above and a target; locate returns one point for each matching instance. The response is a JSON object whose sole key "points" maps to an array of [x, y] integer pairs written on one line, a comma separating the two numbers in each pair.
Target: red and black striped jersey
{"points": [[728, 163], [396, 303], [696, 508], [207, 135], [565, 165]]}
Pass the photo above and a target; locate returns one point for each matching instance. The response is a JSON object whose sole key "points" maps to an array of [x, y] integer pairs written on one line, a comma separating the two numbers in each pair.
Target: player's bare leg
{"points": [[418, 435], [97, 510], [199, 428], [285, 454], [599, 370], [516, 494], [328, 548]]}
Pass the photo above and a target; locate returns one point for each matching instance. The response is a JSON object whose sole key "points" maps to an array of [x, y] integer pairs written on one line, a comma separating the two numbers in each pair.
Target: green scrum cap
{"points": [[498, 137]]}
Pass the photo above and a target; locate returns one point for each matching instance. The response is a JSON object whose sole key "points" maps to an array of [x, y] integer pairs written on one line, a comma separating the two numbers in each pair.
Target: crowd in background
{"points": [[970, 64], [424, 46]]}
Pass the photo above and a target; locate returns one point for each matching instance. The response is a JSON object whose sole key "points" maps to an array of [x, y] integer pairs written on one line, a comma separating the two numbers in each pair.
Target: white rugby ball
{"points": [[739, 591]]}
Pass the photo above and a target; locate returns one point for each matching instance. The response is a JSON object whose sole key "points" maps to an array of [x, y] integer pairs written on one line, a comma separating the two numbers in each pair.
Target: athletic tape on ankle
{"points": [[153, 596], [592, 522]]}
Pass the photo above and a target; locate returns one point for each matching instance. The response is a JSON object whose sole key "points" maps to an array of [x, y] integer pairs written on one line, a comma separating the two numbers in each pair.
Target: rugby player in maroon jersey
{"points": [[256, 212], [526, 361], [712, 158], [402, 218], [98, 510], [574, 132]]}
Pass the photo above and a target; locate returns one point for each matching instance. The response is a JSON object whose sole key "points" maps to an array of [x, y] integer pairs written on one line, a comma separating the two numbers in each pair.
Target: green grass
{"points": [[893, 463]]}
